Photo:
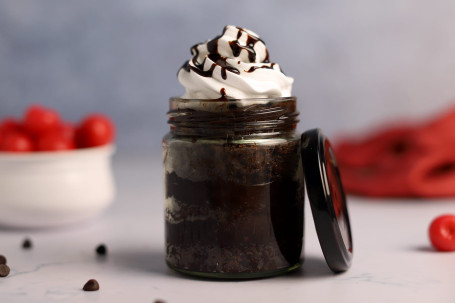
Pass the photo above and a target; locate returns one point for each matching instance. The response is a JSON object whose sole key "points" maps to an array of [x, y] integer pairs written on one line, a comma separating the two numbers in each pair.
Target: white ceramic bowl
{"points": [[46, 189]]}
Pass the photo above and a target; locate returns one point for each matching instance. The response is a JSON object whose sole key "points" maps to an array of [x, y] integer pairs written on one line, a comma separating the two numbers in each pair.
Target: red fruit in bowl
{"points": [[8, 125], [54, 141], [17, 141], [95, 130], [39, 120], [68, 131], [442, 233]]}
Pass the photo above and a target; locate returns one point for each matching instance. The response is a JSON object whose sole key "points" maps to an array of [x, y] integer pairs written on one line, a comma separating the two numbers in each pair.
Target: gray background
{"points": [[356, 64]]}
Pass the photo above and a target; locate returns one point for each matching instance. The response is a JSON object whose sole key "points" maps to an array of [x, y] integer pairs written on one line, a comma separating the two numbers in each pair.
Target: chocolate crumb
{"points": [[4, 270], [101, 250], [27, 244], [2, 259], [91, 285], [159, 301]]}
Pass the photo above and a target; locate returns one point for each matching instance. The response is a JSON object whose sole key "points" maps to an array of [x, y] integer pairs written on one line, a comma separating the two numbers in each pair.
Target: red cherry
{"points": [[68, 131], [95, 130], [8, 125], [442, 233], [17, 142], [54, 141], [39, 120]]}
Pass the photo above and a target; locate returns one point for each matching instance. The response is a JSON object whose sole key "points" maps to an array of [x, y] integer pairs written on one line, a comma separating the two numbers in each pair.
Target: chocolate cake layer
{"points": [[233, 207]]}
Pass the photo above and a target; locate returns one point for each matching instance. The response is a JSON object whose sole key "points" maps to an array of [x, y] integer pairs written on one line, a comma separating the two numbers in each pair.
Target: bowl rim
{"points": [[108, 149]]}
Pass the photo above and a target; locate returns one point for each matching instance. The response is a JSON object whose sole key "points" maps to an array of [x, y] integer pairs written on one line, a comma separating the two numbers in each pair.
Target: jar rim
{"points": [[223, 104], [236, 117]]}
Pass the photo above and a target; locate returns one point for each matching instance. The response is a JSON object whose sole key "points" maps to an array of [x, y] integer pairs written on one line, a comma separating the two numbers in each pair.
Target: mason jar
{"points": [[234, 187]]}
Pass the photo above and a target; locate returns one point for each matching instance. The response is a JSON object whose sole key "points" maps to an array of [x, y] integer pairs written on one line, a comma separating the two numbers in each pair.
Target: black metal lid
{"points": [[327, 200]]}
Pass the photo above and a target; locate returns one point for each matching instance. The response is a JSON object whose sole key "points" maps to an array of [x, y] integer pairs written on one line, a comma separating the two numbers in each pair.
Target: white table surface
{"points": [[393, 260]]}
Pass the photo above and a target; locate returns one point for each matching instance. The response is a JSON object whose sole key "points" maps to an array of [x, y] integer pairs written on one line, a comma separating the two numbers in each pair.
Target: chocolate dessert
{"points": [[234, 205], [233, 172]]}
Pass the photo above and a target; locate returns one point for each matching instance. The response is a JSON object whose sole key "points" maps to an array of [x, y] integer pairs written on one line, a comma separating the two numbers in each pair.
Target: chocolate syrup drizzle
{"points": [[250, 42], [218, 60], [253, 68]]}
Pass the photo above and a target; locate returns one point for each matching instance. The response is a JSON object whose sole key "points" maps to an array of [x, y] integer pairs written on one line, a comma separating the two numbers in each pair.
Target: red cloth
{"points": [[401, 161]]}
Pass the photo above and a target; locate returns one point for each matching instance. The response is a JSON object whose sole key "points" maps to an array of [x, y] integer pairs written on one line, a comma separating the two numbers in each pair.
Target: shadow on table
{"points": [[154, 262], [311, 268], [146, 261], [423, 249]]}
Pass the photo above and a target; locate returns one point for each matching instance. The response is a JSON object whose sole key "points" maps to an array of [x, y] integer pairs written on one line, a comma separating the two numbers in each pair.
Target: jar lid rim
{"points": [[327, 199]]}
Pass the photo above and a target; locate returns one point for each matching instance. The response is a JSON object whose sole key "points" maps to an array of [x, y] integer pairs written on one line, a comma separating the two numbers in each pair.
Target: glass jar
{"points": [[234, 187]]}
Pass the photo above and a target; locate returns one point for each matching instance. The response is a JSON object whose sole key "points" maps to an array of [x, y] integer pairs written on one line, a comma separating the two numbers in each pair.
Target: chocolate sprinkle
{"points": [[4, 270], [91, 285], [2, 259], [27, 244], [101, 250]]}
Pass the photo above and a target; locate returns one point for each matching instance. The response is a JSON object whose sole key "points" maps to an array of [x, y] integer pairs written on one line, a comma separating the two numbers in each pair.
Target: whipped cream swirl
{"points": [[234, 65]]}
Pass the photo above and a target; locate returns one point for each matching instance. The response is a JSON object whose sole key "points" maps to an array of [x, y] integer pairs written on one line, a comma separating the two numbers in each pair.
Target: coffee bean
{"points": [[4, 270], [2, 259], [91, 285], [101, 250], [27, 244], [159, 301]]}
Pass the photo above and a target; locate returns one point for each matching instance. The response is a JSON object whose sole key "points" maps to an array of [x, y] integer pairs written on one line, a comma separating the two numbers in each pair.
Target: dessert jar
{"points": [[234, 187]]}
